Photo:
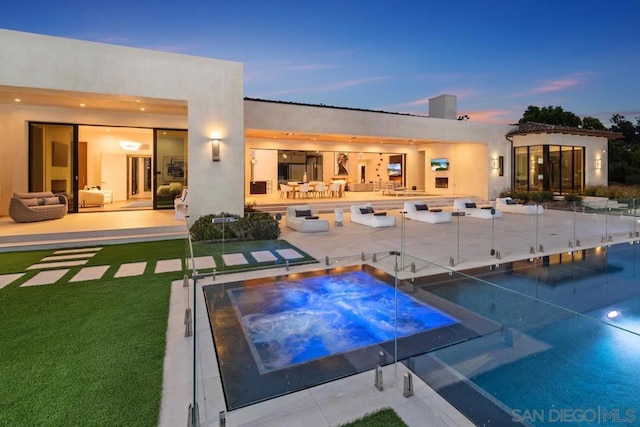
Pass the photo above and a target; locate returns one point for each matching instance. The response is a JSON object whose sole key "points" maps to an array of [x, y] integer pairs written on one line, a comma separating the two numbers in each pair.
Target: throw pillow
{"points": [[30, 202], [471, 205], [303, 213], [421, 207], [51, 201], [511, 202], [364, 210]]}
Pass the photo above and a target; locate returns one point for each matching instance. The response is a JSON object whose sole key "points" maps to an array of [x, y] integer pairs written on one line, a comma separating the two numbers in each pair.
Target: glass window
{"points": [[578, 169], [555, 168], [536, 168], [521, 169]]}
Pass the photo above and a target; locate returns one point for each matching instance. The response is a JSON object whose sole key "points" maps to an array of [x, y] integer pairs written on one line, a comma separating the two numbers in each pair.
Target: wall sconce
{"points": [[498, 164], [253, 164], [215, 150], [598, 163]]}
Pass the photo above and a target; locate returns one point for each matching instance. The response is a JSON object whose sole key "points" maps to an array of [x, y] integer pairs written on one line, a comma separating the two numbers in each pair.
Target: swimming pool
{"points": [[287, 323], [282, 334], [548, 365]]}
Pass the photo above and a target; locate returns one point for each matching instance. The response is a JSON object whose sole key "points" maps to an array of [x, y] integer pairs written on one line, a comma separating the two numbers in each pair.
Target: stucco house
{"points": [[79, 116]]}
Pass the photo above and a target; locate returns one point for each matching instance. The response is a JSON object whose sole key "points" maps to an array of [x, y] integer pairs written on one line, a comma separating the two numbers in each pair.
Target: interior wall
{"points": [[374, 157], [103, 141], [467, 173]]}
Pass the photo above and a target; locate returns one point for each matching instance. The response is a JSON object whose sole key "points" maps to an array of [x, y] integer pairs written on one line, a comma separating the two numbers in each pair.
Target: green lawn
{"points": [[91, 353], [385, 417], [87, 353]]}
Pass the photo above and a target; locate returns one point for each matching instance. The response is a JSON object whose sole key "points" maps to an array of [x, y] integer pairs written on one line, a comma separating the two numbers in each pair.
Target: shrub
{"points": [[572, 197], [260, 226], [253, 226], [617, 192]]}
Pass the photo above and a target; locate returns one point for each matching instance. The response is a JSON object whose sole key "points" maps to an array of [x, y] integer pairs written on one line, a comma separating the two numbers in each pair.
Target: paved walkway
{"points": [[52, 268]]}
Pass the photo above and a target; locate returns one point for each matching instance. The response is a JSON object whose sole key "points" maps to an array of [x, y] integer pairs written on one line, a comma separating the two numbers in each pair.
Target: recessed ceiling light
{"points": [[17, 99], [82, 104], [142, 108]]}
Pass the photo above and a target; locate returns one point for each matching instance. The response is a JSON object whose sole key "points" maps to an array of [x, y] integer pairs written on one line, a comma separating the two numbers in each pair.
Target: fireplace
{"points": [[442, 182]]}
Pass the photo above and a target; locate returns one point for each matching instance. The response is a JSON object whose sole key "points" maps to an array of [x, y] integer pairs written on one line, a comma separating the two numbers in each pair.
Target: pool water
{"points": [[288, 323], [570, 362]]}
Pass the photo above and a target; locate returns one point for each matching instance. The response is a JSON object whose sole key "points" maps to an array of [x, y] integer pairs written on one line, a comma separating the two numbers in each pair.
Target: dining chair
{"points": [[285, 191], [334, 189], [320, 189], [303, 190]]}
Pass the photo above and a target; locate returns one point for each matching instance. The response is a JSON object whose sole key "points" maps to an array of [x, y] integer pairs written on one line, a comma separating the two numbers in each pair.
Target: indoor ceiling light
{"points": [[130, 145]]}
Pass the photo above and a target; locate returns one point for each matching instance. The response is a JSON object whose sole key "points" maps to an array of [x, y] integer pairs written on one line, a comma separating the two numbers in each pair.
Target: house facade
{"points": [[77, 115]]}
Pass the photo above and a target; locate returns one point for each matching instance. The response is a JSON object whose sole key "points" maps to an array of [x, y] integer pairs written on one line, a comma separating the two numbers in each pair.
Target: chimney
{"points": [[443, 107]]}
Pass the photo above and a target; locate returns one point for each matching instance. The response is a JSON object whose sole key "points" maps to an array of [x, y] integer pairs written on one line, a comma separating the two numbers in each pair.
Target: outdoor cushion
{"points": [[471, 205], [303, 213], [30, 202], [421, 207], [511, 202], [51, 201], [366, 210]]}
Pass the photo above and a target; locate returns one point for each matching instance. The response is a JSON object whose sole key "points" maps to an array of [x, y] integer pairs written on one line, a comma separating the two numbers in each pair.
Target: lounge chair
{"points": [[301, 218], [508, 205], [471, 209], [365, 215], [419, 211]]}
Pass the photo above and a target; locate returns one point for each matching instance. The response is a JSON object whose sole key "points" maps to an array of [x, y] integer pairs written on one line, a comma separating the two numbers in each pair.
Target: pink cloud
{"points": [[557, 85], [491, 116]]}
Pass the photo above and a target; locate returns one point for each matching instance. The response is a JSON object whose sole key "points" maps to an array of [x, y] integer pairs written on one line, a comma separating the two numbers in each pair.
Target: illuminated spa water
{"points": [[288, 323]]}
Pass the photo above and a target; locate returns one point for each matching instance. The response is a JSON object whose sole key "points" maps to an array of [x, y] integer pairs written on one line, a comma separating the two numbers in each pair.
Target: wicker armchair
{"points": [[31, 207]]}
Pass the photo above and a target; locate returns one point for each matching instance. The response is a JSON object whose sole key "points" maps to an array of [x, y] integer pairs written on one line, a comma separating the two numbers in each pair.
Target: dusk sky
{"points": [[496, 56]]}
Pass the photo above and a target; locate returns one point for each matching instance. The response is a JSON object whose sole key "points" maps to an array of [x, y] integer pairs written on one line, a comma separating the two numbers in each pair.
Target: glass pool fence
{"points": [[541, 313]]}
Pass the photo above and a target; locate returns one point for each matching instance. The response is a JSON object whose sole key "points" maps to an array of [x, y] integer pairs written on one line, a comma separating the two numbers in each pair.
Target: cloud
{"points": [[556, 85], [309, 67], [328, 88], [424, 102], [491, 116]]}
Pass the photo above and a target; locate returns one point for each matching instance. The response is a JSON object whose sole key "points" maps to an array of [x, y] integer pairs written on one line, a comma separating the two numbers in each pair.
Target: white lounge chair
{"points": [[365, 215], [471, 209], [508, 205], [301, 218], [419, 211]]}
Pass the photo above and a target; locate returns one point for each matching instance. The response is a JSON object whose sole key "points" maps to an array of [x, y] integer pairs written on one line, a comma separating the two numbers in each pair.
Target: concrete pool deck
{"points": [[467, 240]]}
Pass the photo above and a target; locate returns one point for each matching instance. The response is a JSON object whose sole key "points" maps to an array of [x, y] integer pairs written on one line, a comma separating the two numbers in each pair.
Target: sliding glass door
{"points": [[52, 160], [170, 166]]}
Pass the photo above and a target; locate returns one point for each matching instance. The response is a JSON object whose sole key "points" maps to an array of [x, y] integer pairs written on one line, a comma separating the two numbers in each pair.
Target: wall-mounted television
{"points": [[439, 164], [394, 169]]}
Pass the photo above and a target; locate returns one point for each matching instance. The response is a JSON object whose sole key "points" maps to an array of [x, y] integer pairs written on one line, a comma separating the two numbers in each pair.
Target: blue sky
{"points": [[497, 56]]}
